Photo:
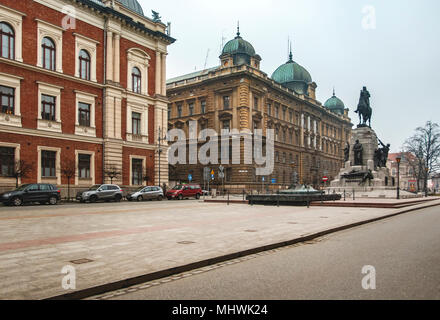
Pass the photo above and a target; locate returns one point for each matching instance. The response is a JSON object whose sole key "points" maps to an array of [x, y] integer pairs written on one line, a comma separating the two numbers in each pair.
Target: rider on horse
{"points": [[364, 109]]}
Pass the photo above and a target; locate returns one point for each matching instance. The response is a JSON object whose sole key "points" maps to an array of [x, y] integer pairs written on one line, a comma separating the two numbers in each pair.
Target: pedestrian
{"points": [[164, 188]]}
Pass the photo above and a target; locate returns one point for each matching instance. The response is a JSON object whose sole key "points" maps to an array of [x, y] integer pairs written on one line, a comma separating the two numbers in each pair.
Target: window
{"points": [[46, 187], [136, 123], [269, 109], [226, 102], [255, 103], [84, 65], [226, 124], [277, 111], [191, 108], [7, 96], [203, 107], [169, 112], [48, 107], [136, 80], [179, 111], [84, 166], [228, 175], [84, 114], [284, 113], [277, 156], [136, 167], [48, 53], [48, 160], [7, 41], [291, 116], [7, 161]]}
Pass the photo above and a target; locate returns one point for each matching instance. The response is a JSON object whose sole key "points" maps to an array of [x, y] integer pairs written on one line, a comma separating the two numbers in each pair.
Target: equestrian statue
{"points": [[364, 110]]}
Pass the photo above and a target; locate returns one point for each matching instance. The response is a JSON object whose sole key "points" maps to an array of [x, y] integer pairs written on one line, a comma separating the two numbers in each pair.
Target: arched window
{"points": [[84, 65], [7, 41], [48, 56], [136, 80]]}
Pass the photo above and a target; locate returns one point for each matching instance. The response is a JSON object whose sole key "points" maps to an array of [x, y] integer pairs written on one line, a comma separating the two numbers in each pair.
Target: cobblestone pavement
{"points": [[126, 240]]}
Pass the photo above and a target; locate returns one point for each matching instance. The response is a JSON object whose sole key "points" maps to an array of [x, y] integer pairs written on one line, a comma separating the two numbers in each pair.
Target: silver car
{"points": [[146, 193], [98, 192]]}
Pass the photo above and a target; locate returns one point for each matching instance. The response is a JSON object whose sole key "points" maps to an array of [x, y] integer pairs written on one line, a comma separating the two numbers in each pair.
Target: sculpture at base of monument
{"points": [[368, 176], [364, 110], [347, 152], [377, 158], [384, 151], [358, 153]]}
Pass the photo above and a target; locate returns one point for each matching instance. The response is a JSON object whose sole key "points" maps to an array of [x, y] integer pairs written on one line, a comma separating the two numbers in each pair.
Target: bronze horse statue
{"points": [[364, 110]]}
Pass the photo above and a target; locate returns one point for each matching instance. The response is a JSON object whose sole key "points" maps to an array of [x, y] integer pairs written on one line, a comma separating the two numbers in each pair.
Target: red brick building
{"points": [[82, 84]]}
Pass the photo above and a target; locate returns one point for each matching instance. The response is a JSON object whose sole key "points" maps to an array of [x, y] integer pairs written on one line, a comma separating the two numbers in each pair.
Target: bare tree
{"points": [[68, 170], [425, 144], [112, 172], [21, 169]]}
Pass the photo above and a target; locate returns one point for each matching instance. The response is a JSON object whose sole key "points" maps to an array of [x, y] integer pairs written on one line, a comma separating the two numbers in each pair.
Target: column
{"points": [[158, 85], [164, 75], [116, 62], [109, 70]]}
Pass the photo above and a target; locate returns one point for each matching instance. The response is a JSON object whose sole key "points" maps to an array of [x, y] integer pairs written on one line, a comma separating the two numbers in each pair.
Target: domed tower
{"points": [[239, 51], [295, 77], [334, 104]]}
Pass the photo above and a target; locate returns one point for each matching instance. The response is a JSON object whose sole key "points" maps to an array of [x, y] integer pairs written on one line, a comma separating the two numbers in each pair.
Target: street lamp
{"points": [[159, 149], [398, 159], [426, 182]]}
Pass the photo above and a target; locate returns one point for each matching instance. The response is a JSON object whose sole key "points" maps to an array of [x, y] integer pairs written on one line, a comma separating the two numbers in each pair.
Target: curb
{"points": [[101, 289]]}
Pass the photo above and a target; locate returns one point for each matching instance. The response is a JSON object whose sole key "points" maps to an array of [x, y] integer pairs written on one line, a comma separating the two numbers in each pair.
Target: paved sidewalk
{"points": [[127, 240]]}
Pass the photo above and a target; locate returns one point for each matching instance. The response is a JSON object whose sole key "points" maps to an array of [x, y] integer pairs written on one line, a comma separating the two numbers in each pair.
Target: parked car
{"points": [[99, 192], [184, 191], [28, 193], [146, 193]]}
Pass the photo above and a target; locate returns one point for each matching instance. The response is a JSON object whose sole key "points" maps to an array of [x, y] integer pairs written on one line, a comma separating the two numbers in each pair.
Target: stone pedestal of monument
{"points": [[367, 176]]}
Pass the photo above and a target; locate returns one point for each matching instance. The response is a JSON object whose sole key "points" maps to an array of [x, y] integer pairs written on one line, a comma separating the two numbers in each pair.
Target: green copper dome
{"points": [[291, 71], [238, 46], [335, 105], [133, 5], [293, 76]]}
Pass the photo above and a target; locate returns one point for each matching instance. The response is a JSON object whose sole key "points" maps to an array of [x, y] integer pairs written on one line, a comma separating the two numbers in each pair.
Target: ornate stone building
{"points": [[309, 137], [82, 81]]}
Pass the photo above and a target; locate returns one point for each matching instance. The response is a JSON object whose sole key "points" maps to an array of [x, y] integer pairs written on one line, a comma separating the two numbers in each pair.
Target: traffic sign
{"points": [[324, 179], [263, 179], [274, 180], [190, 177], [206, 171]]}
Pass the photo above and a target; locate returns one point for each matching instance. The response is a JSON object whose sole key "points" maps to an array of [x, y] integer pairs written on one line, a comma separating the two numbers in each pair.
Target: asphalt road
{"points": [[404, 250]]}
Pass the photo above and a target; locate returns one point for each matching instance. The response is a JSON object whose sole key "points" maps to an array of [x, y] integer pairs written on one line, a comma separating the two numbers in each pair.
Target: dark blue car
{"points": [[27, 193]]}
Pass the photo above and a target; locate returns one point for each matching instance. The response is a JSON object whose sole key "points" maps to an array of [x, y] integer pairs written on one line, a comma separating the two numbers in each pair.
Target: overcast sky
{"points": [[398, 61]]}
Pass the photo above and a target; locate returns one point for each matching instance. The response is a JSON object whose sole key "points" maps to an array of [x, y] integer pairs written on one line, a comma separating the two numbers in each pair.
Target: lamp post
{"points": [[398, 159], [426, 181], [159, 150]]}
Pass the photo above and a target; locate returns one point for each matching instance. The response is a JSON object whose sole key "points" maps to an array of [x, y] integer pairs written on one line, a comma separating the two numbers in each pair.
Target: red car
{"points": [[182, 191]]}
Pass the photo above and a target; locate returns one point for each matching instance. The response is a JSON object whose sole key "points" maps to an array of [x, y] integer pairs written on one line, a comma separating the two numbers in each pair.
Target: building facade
{"points": [[409, 169], [309, 137], [82, 85]]}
